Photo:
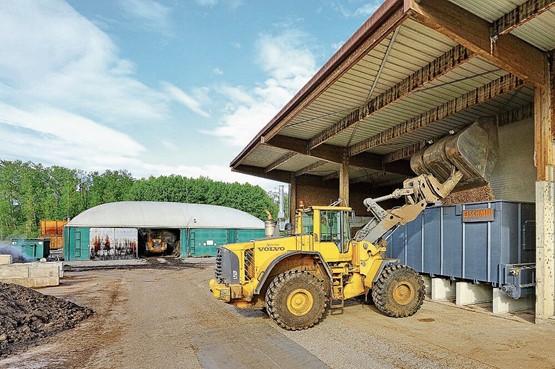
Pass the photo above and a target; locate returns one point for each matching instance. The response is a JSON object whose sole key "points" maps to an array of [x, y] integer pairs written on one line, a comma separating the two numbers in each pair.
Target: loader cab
{"points": [[330, 226]]}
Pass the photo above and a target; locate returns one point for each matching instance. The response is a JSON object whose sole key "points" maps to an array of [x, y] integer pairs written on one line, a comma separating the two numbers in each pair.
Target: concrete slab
{"points": [[427, 284], [38, 274], [443, 289], [469, 293], [5, 259], [504, 304]]}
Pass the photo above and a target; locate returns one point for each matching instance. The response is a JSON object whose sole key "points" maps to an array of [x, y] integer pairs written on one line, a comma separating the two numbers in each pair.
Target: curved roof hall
{"points": [[151, 214]]}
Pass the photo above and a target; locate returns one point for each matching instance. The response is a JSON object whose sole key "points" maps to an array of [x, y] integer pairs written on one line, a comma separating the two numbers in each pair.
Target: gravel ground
{"points": [[27, 316], [166, 318]]}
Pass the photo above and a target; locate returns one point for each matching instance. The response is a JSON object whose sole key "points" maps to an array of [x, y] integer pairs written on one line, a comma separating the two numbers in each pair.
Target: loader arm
{"points": [[418, 192]]}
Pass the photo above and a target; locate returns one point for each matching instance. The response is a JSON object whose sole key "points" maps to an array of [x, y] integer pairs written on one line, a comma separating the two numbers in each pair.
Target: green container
{"points": [[205, 242], [246, 235], [32, 248]]}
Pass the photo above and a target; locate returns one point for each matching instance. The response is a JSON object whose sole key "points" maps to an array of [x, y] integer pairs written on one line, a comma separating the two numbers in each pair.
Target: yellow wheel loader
{"points": [[298, 278]]}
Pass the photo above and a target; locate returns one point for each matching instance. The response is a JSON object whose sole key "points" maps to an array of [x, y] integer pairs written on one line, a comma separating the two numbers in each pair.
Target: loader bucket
{"points": [[473, 151]]}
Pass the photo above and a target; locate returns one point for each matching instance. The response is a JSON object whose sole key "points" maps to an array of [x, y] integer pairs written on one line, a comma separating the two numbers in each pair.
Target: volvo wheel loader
{"points": [[299, 277]]}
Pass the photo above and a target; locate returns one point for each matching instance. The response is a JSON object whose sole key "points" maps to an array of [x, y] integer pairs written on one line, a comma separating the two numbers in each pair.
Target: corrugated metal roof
{"points": [[402, 48], [538, 31], [150, 214]]}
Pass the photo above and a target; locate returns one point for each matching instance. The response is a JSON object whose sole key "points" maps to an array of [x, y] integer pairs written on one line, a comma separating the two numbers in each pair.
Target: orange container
{"points": [[54, 230]]}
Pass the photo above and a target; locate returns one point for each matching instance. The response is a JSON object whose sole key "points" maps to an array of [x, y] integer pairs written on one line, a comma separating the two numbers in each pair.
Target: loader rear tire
{"points": [[296, 300], [399, 291]]}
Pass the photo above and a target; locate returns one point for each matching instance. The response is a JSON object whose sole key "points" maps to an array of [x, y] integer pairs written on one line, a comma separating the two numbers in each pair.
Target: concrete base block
{"points": [[5, 259], [504, 304], [427, 284], [31, 274], [443, 289], [469, 293]]}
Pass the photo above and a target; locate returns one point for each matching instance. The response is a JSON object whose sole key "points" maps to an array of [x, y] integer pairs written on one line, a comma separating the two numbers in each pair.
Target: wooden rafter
{"points": [[507, 51], [279, 161], [437, 68], [403, 153], [276, 174], [310, 168], [518, 16], [506, 117], [334, 154], [480, 95], [329, 177]]}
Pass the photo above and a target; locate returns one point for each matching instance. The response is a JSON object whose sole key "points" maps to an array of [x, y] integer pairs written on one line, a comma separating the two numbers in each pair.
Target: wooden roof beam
{"points": [[310, 168], [437, 68], [276, 174], [279, 161], [480, 95], [507, 51], [518, 16], [506, 117], [334, 154]]}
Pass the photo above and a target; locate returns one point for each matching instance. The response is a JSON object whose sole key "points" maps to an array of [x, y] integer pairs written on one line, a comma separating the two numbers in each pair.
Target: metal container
{"points": [[32, 248], [206, 241], [486, 242]]}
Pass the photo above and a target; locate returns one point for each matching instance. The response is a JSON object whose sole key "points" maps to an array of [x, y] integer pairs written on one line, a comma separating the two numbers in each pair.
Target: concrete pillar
{"points": [[427, 284], [545, 250], [504, 304], [469, 293], [443, 289], [544, 159]]}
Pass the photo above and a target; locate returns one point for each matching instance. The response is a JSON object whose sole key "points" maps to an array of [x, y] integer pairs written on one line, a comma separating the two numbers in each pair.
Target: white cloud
{"points": [[150, 13], [365, 10], [53, 55], [183, 98], [289, 63], [217, 72], [209, 3], [214, 172], [46, 134]]}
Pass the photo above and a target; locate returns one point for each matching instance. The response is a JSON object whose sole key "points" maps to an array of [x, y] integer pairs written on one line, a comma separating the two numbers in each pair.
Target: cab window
{"points": [[334, 227], [307, 222]]}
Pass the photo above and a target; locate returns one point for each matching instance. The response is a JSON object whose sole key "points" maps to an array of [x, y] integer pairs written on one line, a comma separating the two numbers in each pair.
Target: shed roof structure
{"points": [[150, 214], [415, 71]]}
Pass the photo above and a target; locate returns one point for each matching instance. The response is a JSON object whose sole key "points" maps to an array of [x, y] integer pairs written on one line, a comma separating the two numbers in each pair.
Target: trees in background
{"points": [[31, 192]]}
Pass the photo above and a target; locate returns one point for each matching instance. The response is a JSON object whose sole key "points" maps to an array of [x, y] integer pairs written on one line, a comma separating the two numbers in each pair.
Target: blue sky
{"points": [[157, 87]]}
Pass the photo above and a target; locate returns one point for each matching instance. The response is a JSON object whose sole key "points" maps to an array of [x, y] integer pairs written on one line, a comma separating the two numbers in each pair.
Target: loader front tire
{"points": [[296, 300], [399, 291]]}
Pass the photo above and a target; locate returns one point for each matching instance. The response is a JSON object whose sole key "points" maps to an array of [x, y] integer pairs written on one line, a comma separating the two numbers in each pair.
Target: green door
{"points": [[76, 244], [205, 242]]}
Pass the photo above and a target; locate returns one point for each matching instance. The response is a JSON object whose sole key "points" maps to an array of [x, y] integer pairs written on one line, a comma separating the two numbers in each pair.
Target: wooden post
{"points": [[344, 179], [293, 201]]}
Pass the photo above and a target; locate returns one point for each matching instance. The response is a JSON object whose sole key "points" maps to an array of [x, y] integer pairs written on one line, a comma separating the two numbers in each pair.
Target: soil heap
{"points": [[27, 316]]}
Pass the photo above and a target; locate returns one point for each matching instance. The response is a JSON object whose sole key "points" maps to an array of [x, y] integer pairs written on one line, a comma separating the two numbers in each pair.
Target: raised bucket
{"points": [[473, 151]]}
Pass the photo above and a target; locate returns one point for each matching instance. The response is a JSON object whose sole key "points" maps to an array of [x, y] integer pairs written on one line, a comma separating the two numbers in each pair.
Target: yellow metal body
{"points": [[321, 244], [155, 243]]}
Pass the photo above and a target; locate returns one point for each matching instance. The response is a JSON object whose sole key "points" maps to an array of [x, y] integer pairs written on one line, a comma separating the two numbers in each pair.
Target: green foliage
{"points": [[30, 192]]}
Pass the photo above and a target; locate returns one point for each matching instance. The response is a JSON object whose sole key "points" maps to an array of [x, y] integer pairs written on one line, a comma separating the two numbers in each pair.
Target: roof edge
{"points": [[379, 16]]}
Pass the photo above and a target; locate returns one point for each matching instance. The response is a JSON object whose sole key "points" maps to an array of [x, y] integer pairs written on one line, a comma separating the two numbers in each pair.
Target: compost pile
{"points": [[27, 315], [479, 194]]}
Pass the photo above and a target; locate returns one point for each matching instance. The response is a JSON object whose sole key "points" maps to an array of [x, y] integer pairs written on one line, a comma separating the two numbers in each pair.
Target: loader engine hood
{"points": [[227, 266]]}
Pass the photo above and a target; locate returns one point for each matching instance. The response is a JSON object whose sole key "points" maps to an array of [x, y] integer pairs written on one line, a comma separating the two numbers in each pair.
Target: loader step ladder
{"points": [[338, 298]]}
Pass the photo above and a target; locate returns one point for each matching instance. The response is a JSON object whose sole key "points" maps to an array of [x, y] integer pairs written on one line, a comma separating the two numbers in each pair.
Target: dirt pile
{"points": [[27, 315]]}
